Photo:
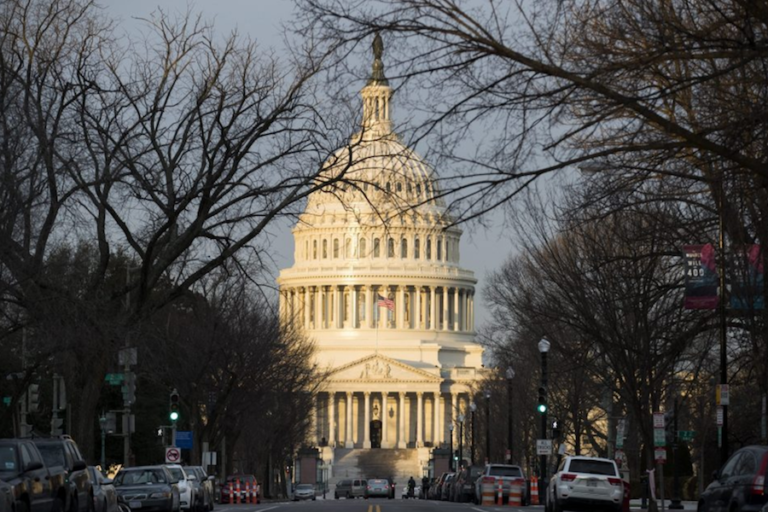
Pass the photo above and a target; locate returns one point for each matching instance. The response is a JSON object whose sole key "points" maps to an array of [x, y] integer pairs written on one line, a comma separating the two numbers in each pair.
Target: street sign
{"points": [[659, 437], [114, 379], [686, 435], [543, 447], [719, 416], [660, 454], [184, 439], [658, 420], [172, 455], [723, 395]]}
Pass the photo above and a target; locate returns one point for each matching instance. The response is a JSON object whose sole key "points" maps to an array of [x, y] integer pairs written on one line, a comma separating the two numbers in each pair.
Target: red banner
{"points": [[701, 279]]}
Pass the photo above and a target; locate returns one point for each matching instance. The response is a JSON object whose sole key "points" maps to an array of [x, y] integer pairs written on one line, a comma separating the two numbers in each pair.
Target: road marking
{"points": [[270, 508]]}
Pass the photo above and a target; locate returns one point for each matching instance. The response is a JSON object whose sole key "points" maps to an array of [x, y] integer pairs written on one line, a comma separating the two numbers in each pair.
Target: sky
{"points": [[483, 250]]}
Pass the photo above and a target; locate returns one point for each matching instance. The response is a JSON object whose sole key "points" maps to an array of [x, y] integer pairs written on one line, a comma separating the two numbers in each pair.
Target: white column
{"points": [[367, 424], [437, 436], [355, 319], [368, 306], [432, 308], [472, 311], [332, 419], [348, 433], [400, 307], [419, 419], [417, 309], [446, 317], [456, 309], [318, 308], [336, 320], [384, 419], [401, 422]]}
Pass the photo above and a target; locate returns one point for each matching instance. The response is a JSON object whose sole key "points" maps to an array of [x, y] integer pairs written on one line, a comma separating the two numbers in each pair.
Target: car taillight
{"points": [[758, 484], [369, 487], [567, 477], [489, 480], [616, 481]]}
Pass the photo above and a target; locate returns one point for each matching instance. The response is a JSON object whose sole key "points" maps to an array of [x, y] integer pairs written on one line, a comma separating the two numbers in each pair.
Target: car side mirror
{"points": [[211, 478], [191, 477], [32, 466], [79, 465]]}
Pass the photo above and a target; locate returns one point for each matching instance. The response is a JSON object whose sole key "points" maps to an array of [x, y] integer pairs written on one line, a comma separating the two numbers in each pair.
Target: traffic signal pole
{"points": [[543, 460]]}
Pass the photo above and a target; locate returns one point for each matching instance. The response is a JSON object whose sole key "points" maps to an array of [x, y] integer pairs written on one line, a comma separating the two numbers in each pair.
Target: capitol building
{"points": [[377, 285]]}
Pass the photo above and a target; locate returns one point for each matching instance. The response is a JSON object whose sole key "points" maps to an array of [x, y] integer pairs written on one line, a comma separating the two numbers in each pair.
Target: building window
{"points": [[306, 249], [439, 255], [418, 189], [335, 247], [389, 188], [363, 252], [314, 249], [429, 249], [348, 248], [403, 248], [376, 248], [409, 189], [325, 249], [416, 249], [399, 187], [391, 248]]}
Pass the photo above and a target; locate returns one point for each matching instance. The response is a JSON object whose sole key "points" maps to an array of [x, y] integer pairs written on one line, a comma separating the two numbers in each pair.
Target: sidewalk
{"points": [[635, 505]]}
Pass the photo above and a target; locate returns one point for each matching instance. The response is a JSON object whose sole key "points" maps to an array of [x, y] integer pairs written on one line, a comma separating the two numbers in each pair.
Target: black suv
{"points": [[62, 452], [740, 485], [34, 487]]}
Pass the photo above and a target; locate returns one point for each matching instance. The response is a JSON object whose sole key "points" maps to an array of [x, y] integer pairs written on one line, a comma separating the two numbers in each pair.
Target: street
{"points": [[369, 506]]}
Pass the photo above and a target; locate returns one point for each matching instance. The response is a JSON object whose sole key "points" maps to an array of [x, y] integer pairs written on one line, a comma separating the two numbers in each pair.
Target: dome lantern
{"points": [[377, 93]]}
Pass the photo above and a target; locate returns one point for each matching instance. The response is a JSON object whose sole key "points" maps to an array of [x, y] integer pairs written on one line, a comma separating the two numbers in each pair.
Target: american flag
{"points": [[385, 302]]}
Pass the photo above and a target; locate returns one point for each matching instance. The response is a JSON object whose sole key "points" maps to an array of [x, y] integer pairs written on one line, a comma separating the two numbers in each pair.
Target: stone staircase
{"points": [[373, 463]]}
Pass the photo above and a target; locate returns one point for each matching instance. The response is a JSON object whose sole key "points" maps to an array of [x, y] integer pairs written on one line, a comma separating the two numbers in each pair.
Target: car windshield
{"points": [[140, 476], [53, 454], [594, 467], [304, 487], [177, 474], [7, 459], [505, 471]]}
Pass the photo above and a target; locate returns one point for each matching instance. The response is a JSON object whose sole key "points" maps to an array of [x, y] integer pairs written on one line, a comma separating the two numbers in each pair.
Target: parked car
{"points": [[185, 481], [585, 482], [304, 492], [378, 488], [464, 484], [435, 490], [740, 485], [445, 492], [63, 452], [249, 488], [509, 474], [104, 493], [33, 486], [149, 488], [203, 488], [354, 488]]}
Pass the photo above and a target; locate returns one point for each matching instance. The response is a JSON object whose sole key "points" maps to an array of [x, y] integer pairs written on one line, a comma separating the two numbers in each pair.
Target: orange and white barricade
{"points": [[237, 490], [534, 490], [515, 495], [487, 490], [231, 492], [247, 492]]}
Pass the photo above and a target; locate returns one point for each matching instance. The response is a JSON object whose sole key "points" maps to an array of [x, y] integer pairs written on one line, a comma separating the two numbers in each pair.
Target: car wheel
{"points": [[335, 496]]}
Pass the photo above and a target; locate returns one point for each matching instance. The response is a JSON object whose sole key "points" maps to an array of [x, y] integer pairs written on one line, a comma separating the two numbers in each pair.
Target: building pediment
{"points": [[377, 368]]}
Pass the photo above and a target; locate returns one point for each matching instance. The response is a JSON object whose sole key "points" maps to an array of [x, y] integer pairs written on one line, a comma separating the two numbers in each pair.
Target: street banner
{"points": [[701, 280], [747, 290]]}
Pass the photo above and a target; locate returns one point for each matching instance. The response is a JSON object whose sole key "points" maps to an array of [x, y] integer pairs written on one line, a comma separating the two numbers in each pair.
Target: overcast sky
{"points": [[482, 251]]}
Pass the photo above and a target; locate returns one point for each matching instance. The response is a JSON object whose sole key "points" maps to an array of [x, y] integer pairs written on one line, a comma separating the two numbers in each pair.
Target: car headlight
{"points": [[160, 495]]}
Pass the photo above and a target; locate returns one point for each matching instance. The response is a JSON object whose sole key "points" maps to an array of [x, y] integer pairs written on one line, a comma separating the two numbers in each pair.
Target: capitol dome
{"points": [[378, 286]]}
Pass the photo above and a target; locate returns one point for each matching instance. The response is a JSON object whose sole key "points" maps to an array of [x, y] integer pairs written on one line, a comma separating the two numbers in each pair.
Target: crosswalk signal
{"points": [[542, 407], [174, 408]]}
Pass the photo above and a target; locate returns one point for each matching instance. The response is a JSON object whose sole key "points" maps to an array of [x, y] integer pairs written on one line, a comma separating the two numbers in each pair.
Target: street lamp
{"points": [[487, 426], [450, 445], [510, 373], [461, 439], [543, 349], [472, 408]]}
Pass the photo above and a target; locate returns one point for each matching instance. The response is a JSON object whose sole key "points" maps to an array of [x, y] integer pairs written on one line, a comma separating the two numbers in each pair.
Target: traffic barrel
{"points": [[500, 491], [515, 496], [534, 490], [248, 492], [231, 492], [237, 490], [487, 491]]}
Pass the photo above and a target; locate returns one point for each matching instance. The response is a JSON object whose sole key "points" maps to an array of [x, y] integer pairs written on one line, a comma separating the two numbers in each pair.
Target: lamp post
{"points": [[487, 426], [472, 409], [543, 349], [510, 375], [461, 439], [450, 449]]}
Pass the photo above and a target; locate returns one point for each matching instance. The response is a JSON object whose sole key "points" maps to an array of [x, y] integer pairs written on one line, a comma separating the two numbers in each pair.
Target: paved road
{"points": [[370, 506]]}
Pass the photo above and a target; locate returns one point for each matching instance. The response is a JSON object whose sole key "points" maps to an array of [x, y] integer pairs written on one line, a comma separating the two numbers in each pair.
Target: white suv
{"points": [[187, 494], [587, 483]]}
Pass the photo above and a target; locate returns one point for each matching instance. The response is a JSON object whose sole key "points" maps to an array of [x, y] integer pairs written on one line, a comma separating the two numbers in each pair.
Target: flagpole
{"points": [[378, 312]]}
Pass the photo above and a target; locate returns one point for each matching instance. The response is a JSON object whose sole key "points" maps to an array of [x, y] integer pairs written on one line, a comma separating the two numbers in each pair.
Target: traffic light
{"points": [[542, 407], [174, 408], [33, 395], [556, 429], [456, 455]]}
